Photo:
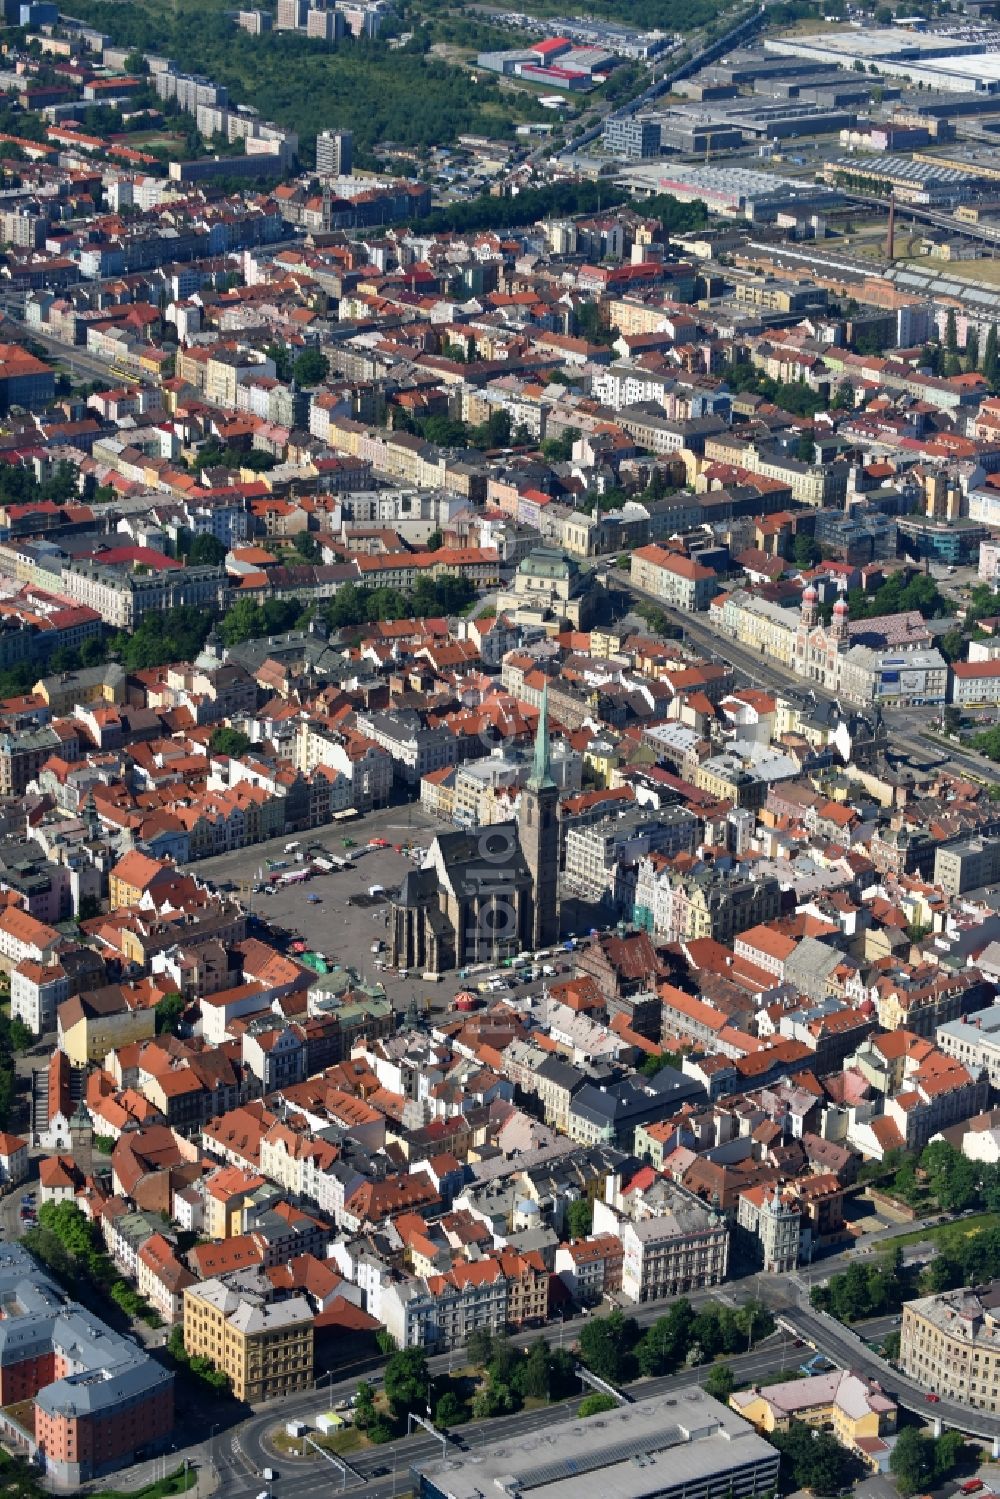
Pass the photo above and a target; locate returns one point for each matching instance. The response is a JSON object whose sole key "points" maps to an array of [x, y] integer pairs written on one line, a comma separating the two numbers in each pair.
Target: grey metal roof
{"points": [[39, 1317]]}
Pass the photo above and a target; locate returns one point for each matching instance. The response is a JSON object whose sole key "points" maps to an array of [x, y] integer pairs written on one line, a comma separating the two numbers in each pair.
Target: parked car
{"points": [[933, 1399]]}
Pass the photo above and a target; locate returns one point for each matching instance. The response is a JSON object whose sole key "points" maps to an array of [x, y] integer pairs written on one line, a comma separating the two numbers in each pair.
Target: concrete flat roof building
{"points": [[738, 191], [669, 1445], [932, 59]]}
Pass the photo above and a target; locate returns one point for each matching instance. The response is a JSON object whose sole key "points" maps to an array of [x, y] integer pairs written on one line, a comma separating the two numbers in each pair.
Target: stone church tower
{"points": [[539, 835]]}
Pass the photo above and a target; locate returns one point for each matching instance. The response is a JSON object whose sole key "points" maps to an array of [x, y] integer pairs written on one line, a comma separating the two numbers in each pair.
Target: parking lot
{"points": [[342, 931]]}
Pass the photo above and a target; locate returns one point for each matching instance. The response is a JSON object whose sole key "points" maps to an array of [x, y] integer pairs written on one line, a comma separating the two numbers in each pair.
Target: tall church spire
{"points": [[539, 835], [541, 765]]}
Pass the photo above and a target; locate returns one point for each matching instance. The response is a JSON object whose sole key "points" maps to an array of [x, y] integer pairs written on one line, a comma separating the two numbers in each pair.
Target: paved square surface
{"points": [[341, 930]]}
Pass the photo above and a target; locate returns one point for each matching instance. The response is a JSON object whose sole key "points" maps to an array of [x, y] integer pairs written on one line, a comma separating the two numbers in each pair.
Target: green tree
{"points": [[493, 1399], [591, 325], [479, 1347], [579, 1218], [445, 431], [972, 349], [206, 551], [504, 1359], [449, 1411], [911, 1461], [244, 621], [932, 358], [93, 651], [657, 1060], [813, 1459], [175, 1345], [364, 1408], [20, 1035], [533, 1376], [664, 1345], [45, 1246], [434, 542], [949, 1452], [805, 550], [407, 1382], [307, 547], [228, 741], [168, 1014], [281, 355], [951, 332], [562, 1373], [560, 449], [988, 743], [950, 645], [596, 1405], [175, 635], [720, 1382], [953, 1179], [991, 359], [982, 603], [311, 367], [606, 1345], [754, 1321]]}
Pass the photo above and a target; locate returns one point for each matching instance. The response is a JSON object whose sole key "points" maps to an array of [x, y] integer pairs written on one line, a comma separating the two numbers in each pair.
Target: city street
{"points": [[904, 725], [845, 1347], [240, 1454], [240, 1457]]}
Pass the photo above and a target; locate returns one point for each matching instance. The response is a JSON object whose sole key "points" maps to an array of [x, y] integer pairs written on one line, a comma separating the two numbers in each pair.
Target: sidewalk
{"points": [[141, 1475]]}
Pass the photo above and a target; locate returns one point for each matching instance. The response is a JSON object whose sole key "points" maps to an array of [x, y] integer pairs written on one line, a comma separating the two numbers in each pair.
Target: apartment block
{"points": [[950, 1344], [94, 1398], [684, 1248], [265, 1346], [679, 581]]}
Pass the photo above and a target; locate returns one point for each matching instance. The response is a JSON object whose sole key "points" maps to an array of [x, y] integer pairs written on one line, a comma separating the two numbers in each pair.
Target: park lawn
{"points": [[174, 1483], [288, 1445], [350, 1439], [960, 1228], [140, 138]]}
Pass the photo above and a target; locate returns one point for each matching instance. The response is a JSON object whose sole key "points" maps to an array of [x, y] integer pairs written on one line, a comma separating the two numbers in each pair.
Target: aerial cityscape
{"points": [[500, 749]]}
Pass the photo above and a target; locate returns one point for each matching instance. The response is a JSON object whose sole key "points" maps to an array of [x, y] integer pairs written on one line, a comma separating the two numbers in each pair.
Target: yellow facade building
{"points": [[858, 1410], [265, 1347], [91, 1025]]}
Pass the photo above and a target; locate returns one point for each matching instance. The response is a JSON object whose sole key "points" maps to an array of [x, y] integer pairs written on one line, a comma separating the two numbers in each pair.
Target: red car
{"points": [[933, 1399]]}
